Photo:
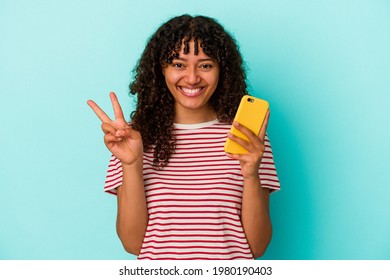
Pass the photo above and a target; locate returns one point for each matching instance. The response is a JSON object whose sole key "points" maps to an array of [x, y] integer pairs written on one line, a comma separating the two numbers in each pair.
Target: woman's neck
{"points": [[194, 116]]}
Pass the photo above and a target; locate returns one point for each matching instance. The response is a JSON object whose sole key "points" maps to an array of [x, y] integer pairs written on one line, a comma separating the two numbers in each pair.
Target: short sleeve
{"points": [[114, 176], [267, 170]]}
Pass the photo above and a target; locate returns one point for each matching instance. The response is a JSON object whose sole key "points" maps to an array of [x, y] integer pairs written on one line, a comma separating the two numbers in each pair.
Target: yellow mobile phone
{"points": [[251, 113]]}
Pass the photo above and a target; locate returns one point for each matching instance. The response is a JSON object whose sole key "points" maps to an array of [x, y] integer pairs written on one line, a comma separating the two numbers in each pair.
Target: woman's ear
{"points": [[164, 66]]}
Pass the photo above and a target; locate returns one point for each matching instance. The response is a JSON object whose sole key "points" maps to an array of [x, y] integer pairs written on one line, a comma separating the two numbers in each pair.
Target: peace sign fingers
{"points": [[99, 112], [103, 116], [117, 107]]}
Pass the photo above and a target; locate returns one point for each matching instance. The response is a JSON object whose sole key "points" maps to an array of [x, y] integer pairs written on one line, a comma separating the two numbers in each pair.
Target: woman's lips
{"points": [[191, 92]]}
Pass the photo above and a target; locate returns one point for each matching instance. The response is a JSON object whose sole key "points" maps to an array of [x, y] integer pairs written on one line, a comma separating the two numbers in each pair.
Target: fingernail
{"points": [[236, 123]]}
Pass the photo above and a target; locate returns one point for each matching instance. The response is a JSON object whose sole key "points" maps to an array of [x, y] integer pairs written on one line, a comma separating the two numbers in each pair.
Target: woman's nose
{"points": [[192, 76]]}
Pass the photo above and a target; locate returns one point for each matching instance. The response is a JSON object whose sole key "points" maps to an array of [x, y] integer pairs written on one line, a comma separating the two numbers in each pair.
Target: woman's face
{"points": [[192, 80]]}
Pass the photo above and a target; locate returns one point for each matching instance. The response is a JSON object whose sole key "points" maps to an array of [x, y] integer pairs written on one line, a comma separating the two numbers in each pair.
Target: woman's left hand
{"points": [[250, 161]]}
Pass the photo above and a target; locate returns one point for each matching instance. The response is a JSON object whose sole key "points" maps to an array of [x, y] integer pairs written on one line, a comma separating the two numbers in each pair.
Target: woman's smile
{"points": [[191, 92]]}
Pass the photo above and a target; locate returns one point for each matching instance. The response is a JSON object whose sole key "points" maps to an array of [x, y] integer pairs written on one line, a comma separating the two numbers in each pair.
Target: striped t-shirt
{"points": [[194, 203]]}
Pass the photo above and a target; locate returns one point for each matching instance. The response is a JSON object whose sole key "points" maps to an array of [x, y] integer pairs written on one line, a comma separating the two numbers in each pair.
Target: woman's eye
{"points": [[206, 66], [178, 65]]}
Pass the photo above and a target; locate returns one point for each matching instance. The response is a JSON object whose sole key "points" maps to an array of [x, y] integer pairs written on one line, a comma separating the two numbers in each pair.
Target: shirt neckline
{"points": [[195, 125]]}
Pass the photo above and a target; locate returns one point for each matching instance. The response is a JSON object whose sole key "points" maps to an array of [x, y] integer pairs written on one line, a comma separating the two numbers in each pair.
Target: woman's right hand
{"points": [[124, 142]]}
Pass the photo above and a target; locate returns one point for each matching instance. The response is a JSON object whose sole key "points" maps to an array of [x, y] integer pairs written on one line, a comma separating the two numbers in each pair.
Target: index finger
{"points": [[264, 126], [99, 112], [117, 107]]}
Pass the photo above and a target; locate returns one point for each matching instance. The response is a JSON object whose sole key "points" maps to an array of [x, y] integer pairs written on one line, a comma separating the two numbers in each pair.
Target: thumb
{"points": [[132, 133]]}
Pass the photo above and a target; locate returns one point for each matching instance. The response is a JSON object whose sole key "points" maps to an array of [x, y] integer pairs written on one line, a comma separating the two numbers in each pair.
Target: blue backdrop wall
{"points": [[324, 66]]}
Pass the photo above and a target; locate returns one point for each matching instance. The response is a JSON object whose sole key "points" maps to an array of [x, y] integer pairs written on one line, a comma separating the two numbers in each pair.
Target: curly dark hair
{"points": [[154, 113]]}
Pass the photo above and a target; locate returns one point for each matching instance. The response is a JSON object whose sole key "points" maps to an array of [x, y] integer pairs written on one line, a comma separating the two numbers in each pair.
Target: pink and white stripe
{"points": [[194, 203]]}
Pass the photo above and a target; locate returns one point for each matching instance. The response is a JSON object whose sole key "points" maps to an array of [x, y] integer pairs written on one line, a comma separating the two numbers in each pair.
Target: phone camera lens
{"points": [[251, 100]]}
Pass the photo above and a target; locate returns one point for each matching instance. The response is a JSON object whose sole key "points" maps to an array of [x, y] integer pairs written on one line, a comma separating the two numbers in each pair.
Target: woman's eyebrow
{"points": [[199, 60]]}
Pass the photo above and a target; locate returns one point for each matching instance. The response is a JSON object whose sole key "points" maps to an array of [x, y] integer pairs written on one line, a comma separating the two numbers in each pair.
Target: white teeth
{"points": [[191, 91]]}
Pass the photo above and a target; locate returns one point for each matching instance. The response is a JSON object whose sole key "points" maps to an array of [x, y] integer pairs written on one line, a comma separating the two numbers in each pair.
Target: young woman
{"points": [[180, 196]]}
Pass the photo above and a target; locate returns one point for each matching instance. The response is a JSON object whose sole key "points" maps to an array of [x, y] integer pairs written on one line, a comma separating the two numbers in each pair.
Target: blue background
{"points": [[324, 66]]}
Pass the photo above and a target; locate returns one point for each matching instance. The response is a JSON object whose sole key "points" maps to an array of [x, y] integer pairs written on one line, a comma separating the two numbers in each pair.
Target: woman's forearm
{"points": [[255, 216], [132, 217]]}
